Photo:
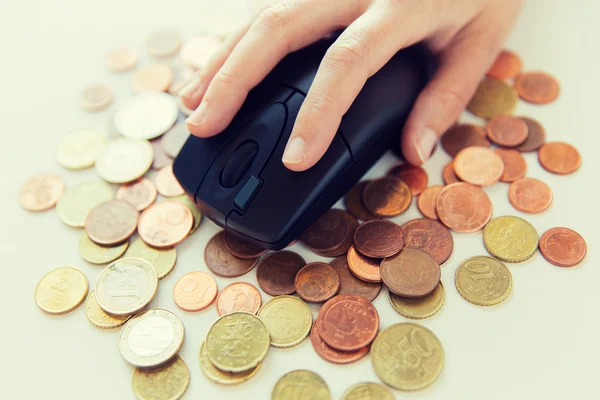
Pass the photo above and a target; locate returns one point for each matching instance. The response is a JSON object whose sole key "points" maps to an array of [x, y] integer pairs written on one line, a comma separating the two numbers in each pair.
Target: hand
{"points": [[467, 35]]}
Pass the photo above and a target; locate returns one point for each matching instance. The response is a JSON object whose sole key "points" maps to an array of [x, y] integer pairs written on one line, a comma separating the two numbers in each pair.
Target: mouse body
{"points": [[237, 178]]}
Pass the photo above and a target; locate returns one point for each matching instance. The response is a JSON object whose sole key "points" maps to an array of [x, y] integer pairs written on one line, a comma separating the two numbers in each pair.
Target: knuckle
{"points": [[451, 101], [226, 75], [319, 103], [348, 51], [274, 18]]}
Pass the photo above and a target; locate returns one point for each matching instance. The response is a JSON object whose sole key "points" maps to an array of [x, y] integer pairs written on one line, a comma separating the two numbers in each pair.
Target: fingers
{"points": [[284, 27]]}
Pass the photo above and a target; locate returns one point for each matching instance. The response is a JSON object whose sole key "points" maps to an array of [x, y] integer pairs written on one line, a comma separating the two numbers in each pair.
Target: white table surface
{"points": [[543, 342]]}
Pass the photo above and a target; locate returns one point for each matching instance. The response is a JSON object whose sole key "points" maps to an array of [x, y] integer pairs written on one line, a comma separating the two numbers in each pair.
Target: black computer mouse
{"points": [[237, 178]]}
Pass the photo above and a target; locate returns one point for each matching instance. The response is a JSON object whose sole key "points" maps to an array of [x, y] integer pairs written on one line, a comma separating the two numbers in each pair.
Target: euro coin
{"points": [[61, 290]]}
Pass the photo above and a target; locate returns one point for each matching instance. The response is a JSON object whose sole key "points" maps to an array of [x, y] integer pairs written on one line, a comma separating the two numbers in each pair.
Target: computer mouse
{"points": [[237, 178]]}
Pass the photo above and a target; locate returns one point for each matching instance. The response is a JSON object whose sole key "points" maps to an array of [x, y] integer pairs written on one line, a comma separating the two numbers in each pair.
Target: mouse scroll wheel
{"points": [[238, 164]]}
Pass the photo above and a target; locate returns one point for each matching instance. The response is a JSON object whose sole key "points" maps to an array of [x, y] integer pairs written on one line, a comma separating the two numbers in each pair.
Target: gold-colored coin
{"points": [[237, 342], [368, 391], [223, 377], [407, 356], [510, 239], [79, 149], [96, 254], [78, 200], [493, 97], [98, 317], [124, 160], [185, 200], [288, 320], [166, 383], [419, 307], [301, 385], [483, 280], [61, 290], [163, 260]]}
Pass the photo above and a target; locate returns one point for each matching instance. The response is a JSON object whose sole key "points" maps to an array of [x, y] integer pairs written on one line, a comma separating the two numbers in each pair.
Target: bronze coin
{"points": [[326, 233], [415, 177], [563, 247], [354, 203], [515, 165], [506, 130], [379, 238], [363, 267], [508, 65], [559, 158], [449, 175], [536, 136], [427, 199], [139, 193], [345, 245], [317, 282], [479, 166], [242, 248], [221, 262], [430, 236], [387, 197], [537, 87], [165, 224], [330, 354], [277, 271], [111, 222], [41, 192], [410, 273], [348, 322], [463, 207], [530, 195], [195, 291], [238, 296], [350, 284], [462, 136]]}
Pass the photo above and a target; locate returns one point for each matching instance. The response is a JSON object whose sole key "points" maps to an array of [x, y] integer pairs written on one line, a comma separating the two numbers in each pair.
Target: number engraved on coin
{"points": [[301, 385], [483, 281]]}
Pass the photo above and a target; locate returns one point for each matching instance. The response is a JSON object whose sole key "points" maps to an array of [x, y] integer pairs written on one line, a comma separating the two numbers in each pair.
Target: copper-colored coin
{"points": [[427, 199], [363, 267], [410, 273], [326, 233], [463, 207], [41, 192], [348, 322], [536, 136], [165, 224], [238, 296], [330, 354], [530, 195], [166, 183], [415, 177], [277, 271], [387, 196], [479, 166], [460, 137], [221, 262], [96, 97], [354, 203], [161, 158], [242, 248], [348, 240], [430, 236], [173, 140], [317, 282], [537, 87], [563, 247], [156, 77], [559, 158], [379, 238], [195, 291], [122, 59], [449, 175], [111, 222], [350, 284], [508, 65], [506, 130], [139, 193], [515, 165]]}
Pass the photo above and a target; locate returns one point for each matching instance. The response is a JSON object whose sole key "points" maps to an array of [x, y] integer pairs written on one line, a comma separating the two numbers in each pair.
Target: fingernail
{"points": [[198, 116], [192, 87], [425, 143], [294, 152]]}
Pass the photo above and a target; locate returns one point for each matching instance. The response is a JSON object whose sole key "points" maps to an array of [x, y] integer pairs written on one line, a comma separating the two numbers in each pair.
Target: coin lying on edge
{"points": [[61, 290], [169, 382], [223, 377], [288, 320], [483, 281], [98, 317], [313, 387], [41, 192]]}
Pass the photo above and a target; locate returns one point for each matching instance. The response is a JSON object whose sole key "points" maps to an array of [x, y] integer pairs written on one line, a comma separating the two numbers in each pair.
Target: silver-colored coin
{"points": [[146, 116], [173, 141], [124, 160], [78, 149]]}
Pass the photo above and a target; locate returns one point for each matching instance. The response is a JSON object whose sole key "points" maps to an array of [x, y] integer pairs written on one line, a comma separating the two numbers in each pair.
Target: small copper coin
{"points": [[139, 193], [165, 224], [515, 165], [462, 136], [242, 248], [463, 207], [161, 158], [354, 203], [559, 158], [348, 241], [238, 296], [415, 177], [122, 59], [277, 271], [430, 236], [111, 222], [317, 282], [96, 97], [166, 183], [479, 166], [332, 355], [506, 130], [508, 65], [163, 43], [350, 284], [530, 195], [449, 175], [221, 262], [41, 192], [387, 196], [536, 136], [410, 273], [563, 247], [379, 238], [326, 233], [363, 267], [348, 322], [427, 199], [195, 291], [156, 77], [537, 87]]}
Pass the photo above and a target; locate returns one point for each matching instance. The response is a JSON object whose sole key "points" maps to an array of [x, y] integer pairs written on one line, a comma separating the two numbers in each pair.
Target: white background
{"points": [[543, 342]]}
